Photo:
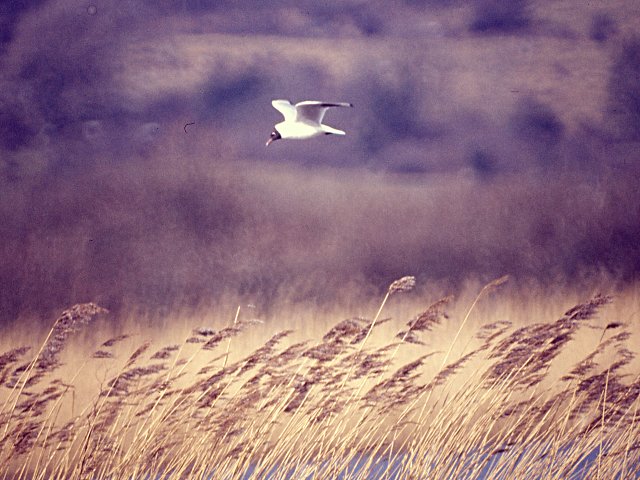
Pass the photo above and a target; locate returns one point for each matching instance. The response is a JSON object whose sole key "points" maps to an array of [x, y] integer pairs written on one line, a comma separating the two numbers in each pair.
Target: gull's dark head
{"points": [[273, 137]]}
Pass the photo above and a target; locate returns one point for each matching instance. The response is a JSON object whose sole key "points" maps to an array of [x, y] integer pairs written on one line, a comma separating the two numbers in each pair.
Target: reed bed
{"points": [[356, 403]]}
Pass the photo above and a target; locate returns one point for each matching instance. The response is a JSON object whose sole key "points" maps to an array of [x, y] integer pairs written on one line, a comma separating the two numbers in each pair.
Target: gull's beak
{"points": [[275, 135]]}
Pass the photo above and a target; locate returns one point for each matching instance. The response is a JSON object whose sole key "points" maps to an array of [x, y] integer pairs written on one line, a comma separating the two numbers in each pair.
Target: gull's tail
{"points": [[331, 131]]}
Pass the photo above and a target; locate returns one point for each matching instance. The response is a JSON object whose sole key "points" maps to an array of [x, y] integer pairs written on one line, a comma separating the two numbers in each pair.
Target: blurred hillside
{"points": [[487, 138]]}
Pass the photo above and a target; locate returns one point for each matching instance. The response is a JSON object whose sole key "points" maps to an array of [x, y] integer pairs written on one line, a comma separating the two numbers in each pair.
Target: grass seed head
{"points": [[402, 285]]}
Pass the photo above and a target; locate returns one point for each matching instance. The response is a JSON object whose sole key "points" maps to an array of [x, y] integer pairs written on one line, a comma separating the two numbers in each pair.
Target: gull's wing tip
{"points": [[318, 103]]}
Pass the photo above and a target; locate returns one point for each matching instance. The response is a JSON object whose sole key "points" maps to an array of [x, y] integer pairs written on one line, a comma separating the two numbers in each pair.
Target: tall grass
{"points": [[370, 398]]}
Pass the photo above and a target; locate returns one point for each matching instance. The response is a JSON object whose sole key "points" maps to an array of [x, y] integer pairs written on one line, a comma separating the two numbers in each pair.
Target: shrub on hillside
{"points": [[495, 16]]}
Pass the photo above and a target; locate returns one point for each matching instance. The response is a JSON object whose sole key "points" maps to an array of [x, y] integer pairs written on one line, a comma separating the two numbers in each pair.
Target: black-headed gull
{"points": [[303, 120]]}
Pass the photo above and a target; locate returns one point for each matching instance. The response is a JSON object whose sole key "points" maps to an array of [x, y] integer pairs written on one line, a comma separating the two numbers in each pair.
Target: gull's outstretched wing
{"points": [[313, 111], [286, 109]]}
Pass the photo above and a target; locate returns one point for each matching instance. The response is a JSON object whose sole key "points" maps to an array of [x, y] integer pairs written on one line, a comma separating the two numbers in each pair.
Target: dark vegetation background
{"points": [[488, 137]]}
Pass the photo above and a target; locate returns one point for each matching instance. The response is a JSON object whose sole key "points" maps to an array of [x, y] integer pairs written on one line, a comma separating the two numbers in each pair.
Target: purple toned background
{"points": [[487, 137]]}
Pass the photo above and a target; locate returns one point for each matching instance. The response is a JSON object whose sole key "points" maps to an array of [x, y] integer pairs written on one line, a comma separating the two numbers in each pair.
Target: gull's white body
{"points": [[304, 119]]}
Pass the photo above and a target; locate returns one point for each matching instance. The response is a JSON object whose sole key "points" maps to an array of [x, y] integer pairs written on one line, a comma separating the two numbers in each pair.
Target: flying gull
{"points": [[303, 120]]}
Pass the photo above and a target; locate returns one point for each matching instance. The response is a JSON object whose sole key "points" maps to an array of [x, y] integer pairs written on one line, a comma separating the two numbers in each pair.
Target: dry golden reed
{"points": [[410, 401]]}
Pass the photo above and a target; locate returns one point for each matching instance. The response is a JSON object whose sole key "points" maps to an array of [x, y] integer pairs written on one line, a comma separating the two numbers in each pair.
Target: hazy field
{"points": [[485, 140]]}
